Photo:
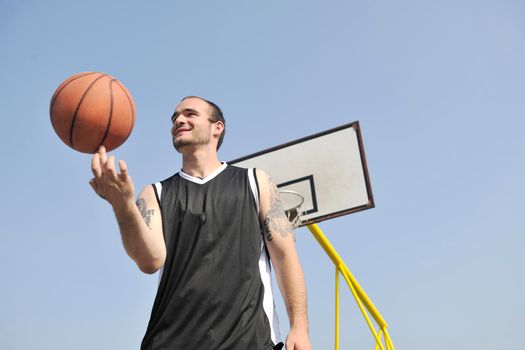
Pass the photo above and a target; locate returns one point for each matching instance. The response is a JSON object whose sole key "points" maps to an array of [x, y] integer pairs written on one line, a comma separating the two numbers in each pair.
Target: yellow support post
{"points": [[336, 308], [363, 311], [379, 334], [359, 294]]}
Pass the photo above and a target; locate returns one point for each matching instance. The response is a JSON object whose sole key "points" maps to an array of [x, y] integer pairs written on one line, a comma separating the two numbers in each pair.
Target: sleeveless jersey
{"points": [[215, 287]]}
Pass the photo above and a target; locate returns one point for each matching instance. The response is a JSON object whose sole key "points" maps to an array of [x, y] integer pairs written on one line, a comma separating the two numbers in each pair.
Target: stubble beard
{"points": [[193, 141]]}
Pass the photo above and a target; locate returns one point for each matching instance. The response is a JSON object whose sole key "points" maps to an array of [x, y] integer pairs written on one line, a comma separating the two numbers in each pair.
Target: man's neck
{"points": [[200, 163]]}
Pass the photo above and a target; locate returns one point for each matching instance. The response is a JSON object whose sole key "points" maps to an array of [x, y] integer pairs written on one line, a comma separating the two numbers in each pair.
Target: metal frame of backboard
{"points": [[308, 180]]}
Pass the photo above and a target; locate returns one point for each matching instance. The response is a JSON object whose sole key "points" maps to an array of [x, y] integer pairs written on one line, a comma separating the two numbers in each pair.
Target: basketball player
{"points": [[211, 230]]}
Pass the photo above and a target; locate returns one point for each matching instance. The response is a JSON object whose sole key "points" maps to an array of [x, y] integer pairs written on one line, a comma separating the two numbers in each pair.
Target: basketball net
{"points": [[292, 202]]}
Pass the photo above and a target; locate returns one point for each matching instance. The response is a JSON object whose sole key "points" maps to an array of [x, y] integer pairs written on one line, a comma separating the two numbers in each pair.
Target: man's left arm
{"points": [[279, 237]]}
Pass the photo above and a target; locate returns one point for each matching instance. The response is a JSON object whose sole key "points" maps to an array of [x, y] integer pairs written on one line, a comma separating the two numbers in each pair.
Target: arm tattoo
{"points": [[266, 228], [275, 219], [144, 211]]}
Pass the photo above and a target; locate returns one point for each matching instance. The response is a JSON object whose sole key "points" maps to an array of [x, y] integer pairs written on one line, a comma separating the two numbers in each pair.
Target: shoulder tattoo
{"points": [[275, 220], [144, 211]]}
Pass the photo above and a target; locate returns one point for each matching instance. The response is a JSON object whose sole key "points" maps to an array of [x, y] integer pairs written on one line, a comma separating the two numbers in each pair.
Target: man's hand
{"points": [[116, 188], [140, 228], [298, 340]]}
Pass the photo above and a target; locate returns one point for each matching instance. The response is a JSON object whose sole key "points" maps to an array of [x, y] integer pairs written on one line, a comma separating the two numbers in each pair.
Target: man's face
{"points": [[191, 124]]}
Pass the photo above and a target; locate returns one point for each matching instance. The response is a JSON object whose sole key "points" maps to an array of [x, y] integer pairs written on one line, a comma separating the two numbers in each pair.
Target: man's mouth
{"points": [[181, 130]]}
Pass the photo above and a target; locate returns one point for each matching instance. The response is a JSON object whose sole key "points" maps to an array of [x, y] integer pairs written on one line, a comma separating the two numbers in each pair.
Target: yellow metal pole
{"points": [[338, 262], [336, 308], [379, 333], [363, 311], [388, 340]]}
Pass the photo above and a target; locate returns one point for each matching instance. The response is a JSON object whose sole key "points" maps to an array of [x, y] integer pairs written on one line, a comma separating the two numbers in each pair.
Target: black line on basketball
{"points": [[130, 105], [63, 87], [110, 114], [78, 108]]}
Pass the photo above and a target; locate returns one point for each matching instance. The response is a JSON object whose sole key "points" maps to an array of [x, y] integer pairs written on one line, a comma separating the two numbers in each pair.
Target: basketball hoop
{"points": [[308, 165], [292, 202]]}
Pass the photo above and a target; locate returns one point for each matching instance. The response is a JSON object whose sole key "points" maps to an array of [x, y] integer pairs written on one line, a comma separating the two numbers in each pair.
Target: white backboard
{"points": [[328, 169]]}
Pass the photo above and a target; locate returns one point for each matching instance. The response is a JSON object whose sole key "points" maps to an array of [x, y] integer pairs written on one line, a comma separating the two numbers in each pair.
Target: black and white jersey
{"points": [[215, 288]]}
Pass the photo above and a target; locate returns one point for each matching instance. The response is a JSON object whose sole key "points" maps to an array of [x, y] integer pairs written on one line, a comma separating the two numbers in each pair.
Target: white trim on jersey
{"points": [[266, 272], [200, 181], [253, 185], [157, 186], [268, 303]]}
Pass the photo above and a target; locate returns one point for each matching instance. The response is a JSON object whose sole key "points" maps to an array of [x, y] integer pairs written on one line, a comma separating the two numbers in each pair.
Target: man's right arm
{"points": [[140, 227], [140, 223]]}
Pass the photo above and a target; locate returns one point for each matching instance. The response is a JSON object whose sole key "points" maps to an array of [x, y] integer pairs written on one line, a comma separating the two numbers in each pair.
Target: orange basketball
{"points": [[92, 109]]}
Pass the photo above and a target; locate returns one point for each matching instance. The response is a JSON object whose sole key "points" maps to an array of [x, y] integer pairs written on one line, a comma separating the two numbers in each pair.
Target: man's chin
{"points": [[179, 146]]}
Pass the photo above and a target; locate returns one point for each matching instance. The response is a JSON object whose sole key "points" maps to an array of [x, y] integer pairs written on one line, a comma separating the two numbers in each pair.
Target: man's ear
{"points": [[218, 128]]}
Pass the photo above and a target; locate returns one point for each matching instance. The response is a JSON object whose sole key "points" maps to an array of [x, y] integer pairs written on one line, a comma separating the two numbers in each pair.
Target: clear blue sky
{"points": [[438, 87]]}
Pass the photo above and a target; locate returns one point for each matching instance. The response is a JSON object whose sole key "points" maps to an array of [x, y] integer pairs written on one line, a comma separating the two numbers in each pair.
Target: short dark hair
{"points": [[216, 116]]}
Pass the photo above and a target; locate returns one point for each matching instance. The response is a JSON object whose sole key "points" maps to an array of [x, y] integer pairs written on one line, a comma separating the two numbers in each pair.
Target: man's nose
{"points": [[180, 120]]}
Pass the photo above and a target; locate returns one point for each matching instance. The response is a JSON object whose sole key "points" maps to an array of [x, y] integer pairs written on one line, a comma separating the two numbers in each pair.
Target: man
{"points": [[209, 230]]}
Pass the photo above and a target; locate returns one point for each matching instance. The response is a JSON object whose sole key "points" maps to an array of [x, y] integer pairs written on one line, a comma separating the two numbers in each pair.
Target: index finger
{"points": [[95, 166], [103, 154]]}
